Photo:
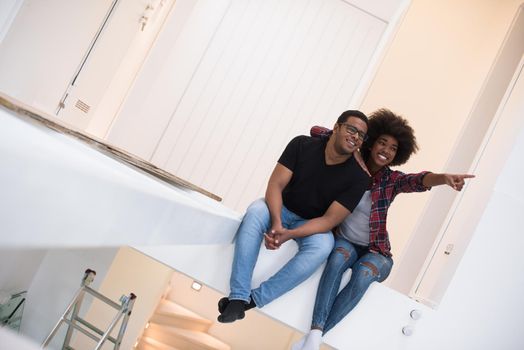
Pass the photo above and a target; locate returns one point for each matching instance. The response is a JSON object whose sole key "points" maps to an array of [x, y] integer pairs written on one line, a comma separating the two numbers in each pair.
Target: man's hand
{"points": [[269, 240], [276, 237], [456, 181]]}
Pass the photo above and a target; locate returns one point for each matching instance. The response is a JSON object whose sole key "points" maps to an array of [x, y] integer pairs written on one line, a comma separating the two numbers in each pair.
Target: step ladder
{"points": [[75, 322]]}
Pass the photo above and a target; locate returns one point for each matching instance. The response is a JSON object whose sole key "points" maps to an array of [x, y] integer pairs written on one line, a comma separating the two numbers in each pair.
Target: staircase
{"points": [[173, 327]]}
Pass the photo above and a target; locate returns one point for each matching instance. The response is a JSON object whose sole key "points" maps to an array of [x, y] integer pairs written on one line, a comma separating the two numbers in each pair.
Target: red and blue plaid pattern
{"points": [[320, 131], [385, 187]]}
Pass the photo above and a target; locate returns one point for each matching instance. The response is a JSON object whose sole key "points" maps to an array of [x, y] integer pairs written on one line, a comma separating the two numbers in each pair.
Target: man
{"points": [[314, 186]]}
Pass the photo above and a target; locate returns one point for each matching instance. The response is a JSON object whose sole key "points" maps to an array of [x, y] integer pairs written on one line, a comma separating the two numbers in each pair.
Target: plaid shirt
{"points": [[386, 185]]}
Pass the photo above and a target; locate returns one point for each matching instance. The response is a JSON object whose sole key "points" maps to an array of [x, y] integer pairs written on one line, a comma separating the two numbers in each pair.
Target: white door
{"points": [[468, 208], [43, 47], [241, 79], [117, 48]]}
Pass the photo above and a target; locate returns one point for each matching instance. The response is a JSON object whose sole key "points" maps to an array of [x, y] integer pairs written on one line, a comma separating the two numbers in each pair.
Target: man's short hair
{"points": [[352, 113]]}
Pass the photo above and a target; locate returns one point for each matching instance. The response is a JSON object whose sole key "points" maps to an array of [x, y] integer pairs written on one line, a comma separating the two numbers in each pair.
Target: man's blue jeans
{"points": [[367, 267], [312, 252]]}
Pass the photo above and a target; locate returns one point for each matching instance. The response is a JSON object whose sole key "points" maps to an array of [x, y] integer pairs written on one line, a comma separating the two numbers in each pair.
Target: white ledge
{"points": [[381, 310], [58, 191]]}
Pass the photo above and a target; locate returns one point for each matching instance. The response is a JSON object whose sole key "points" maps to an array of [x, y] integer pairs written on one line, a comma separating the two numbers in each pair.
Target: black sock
{"points": [[250, 305], [233, 311], [222, 304]]}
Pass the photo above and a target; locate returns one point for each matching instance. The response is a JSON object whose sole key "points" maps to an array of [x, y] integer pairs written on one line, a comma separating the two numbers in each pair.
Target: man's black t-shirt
{"points": [[315, 185]]}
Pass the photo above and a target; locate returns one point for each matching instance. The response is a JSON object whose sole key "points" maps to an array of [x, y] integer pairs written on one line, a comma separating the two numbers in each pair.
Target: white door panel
{"points": [[272, 69], [164, 79], [493, 157], [129, 22], [44, 46]]}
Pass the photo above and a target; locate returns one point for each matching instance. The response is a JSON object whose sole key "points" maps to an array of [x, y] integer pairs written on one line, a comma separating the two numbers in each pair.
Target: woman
{"points": [[362, 242]]}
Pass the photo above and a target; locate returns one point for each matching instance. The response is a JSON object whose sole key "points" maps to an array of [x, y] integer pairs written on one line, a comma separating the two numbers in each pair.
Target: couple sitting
{"points": [[319, 184]]}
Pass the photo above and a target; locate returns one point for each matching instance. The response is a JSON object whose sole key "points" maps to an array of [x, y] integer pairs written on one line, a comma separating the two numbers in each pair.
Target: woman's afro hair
{"points": [[385, 122]]}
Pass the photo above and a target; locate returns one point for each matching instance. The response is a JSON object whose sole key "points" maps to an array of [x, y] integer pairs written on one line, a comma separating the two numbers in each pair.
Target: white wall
{"points": [[468, 208], [432, 74], [240, 80], [122, 78], [54, 285], [8, 12], [19, 267], [44, 46], [482, 308], [464, 150]]}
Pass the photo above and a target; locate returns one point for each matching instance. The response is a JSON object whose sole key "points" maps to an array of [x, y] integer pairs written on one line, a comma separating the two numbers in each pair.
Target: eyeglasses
{"points": [[350, 129]]}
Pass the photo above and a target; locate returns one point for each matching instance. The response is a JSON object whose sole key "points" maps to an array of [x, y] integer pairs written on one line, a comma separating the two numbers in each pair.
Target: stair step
{"points": [[171, 314], [147, 343], [184, 338]]}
